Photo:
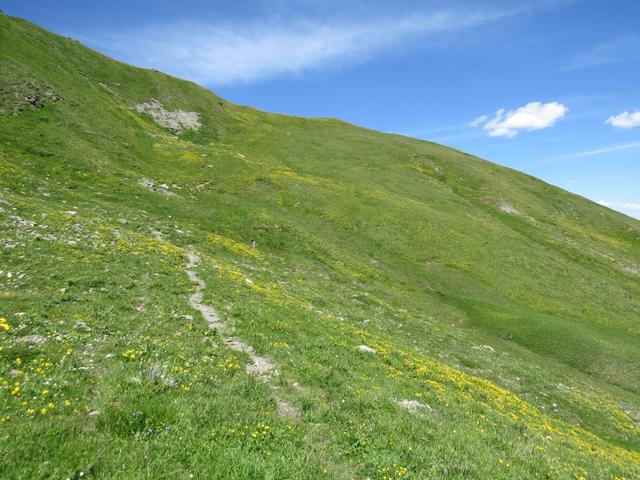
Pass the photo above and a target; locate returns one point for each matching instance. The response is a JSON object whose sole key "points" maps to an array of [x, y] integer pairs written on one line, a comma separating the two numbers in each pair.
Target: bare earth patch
{"points": [[412, 405], [366, 349], [506, 208]]}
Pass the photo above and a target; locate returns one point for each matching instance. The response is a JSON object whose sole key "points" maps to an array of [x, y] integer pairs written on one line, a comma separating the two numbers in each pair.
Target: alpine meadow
{"points": [[190, 288]]}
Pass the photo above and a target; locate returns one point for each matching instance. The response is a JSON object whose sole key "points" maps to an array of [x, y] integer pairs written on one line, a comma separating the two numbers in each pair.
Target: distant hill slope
{"points": [[404, 310]]}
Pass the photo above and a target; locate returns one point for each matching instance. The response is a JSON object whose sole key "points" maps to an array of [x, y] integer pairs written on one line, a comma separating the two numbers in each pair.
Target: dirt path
{"points": [[261, 367]]}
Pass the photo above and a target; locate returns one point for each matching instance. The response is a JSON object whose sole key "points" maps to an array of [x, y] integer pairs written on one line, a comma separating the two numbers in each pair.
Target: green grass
{"points": [[517, 332]]}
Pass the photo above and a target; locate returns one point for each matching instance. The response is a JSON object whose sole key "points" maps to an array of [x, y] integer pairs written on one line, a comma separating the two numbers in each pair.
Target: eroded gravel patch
{"points": [[175, 120]]}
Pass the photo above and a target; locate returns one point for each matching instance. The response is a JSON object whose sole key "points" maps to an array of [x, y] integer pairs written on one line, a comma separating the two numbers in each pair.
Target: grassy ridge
{"points": [[506, 307]]}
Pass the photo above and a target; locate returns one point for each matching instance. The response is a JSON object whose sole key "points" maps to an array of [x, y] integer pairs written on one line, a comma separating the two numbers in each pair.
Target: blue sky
{"points": [[548, 87]]}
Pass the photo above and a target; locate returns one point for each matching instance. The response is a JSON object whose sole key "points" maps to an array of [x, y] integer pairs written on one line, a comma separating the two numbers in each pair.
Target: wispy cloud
{"points": [[625, 120], [532, 116], [476, 122], [621, 50], [216, 54], [599, 151], [462, 136], [422, 132], [455, 132]]}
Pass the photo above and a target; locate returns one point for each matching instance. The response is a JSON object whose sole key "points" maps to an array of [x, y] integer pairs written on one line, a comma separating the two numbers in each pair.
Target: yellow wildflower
{"points": [[15, 391], [4, 325], [130, 354]]}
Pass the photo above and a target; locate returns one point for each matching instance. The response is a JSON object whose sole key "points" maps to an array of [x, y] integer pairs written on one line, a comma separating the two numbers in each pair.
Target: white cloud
{"points": [[625, 120], [215, 54], [630, 208], [533, 116], [476, 122]]}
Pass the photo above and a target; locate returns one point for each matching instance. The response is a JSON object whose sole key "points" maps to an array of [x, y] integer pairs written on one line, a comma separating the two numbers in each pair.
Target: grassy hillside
{"points": [[428, 314]]}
